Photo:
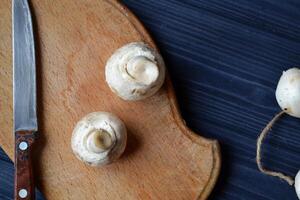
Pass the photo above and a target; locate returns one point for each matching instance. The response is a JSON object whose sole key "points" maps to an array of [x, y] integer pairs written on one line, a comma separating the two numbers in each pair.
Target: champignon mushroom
{"points": [[99, 138], [297, 184], [135, 71], [288, 92]]}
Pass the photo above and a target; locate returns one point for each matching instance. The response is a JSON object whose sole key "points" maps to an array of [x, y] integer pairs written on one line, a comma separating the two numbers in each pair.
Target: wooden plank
{"points": [[163, 160]]}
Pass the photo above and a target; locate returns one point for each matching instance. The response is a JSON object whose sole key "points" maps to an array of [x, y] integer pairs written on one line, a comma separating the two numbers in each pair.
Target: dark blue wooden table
{"points": [[225, 58]]}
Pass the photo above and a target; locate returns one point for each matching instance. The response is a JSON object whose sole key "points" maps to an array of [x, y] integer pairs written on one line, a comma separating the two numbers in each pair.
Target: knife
{"points": [[24, 98]]}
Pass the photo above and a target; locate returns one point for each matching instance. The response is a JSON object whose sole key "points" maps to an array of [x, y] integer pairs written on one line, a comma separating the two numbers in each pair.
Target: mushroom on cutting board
{"points": [[135, 71], [99, 138]]}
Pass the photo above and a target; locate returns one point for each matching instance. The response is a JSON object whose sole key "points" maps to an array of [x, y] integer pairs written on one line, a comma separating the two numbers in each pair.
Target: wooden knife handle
{"points": [[24, 183]]}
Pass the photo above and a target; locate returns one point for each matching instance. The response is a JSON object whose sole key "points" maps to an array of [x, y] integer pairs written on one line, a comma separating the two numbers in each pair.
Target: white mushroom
{"points": [[135, 71], [99, 138], [297, 184], [288, 92]]}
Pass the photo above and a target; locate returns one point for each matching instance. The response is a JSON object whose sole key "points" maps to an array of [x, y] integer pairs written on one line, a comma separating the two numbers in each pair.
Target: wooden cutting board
{"points": [[74, 38]]}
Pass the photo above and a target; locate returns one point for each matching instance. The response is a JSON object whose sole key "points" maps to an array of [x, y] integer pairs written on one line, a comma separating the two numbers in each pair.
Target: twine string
{"points": [[260, 139]]}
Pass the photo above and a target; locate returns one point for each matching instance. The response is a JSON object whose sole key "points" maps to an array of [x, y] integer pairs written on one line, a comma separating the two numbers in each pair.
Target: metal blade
{"points": [[24, 76]]}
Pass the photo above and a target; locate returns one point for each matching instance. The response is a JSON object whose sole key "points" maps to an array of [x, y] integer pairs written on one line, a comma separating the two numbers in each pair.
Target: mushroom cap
{"points": [[135, 71], [288, 92], [99, 138], [297, 184]]}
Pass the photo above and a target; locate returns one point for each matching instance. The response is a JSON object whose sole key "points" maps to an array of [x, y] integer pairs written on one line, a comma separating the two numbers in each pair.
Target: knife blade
{"points": [[24, 98]]}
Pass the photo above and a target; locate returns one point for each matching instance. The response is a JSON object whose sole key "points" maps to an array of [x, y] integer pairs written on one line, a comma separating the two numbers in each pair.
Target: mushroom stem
{"points": [[142, 70], [260, 139], [99, 141]]}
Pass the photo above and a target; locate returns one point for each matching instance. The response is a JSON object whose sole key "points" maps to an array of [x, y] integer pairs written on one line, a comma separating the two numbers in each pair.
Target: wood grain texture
{"points": [[163, 160]]}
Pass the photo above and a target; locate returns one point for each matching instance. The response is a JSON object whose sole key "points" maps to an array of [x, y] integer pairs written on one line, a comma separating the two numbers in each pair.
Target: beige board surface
{"points": [[74, 39]]}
